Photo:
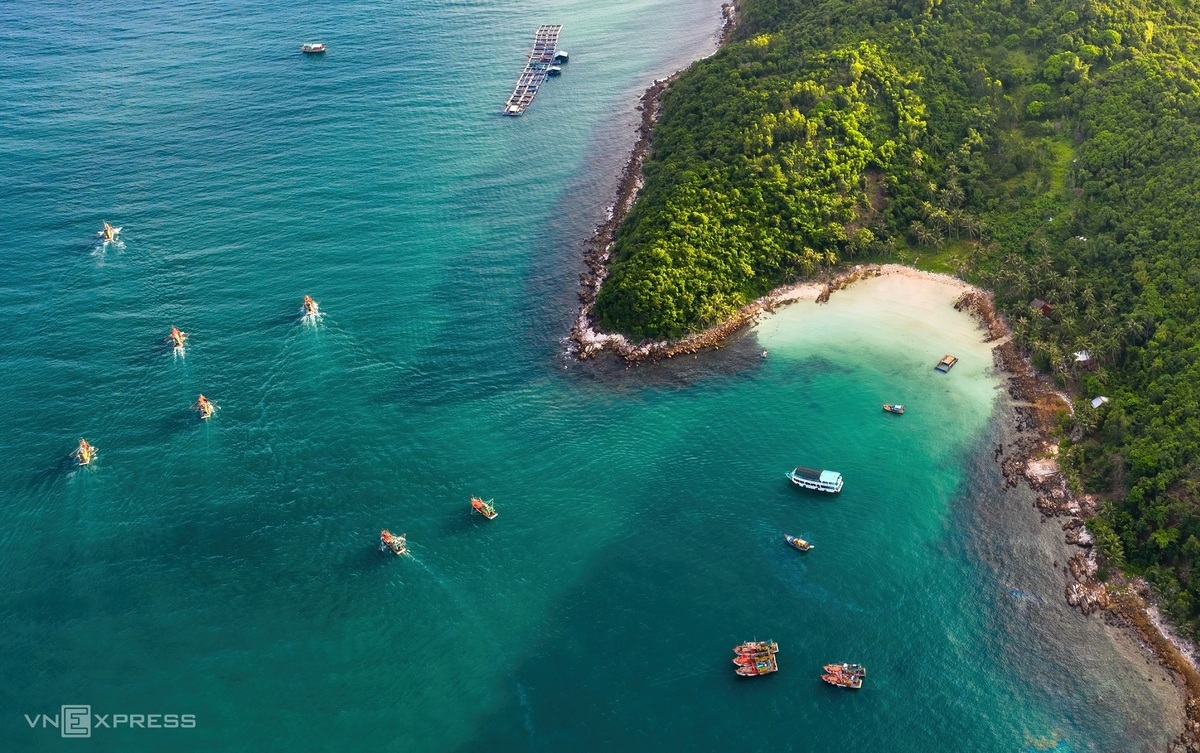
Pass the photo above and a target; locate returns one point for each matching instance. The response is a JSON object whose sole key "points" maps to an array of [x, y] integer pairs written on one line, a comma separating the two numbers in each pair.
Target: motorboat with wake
{"points": [[85, 453], [109, 233], [311, 311], [177, 339], [484, 508], [389, 542], [204, 407]]}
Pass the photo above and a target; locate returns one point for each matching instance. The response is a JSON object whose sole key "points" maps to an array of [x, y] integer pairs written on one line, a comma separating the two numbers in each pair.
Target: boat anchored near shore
{"points": [[892, 408], [816, 480]]}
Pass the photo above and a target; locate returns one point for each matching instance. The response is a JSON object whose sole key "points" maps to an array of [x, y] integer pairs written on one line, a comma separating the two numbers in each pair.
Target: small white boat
{"points": [[312, 47]]}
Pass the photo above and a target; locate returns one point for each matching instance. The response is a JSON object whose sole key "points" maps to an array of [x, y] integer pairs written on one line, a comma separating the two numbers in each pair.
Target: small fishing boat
{"points": [[890, 408], [310, 307], [484, 508], [204, 407], [757, 647], [843, 680], [312, 48], [754, 658], [946, 363], [764, 667], [177, 338], [857, 670], [554, 70], [109, 233], [798, 542], [389, 542], [84, 453], [561, 56]]}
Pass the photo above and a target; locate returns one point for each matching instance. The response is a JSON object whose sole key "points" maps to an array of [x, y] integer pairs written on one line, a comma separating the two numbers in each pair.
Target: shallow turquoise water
{"points": [[228, 570]]}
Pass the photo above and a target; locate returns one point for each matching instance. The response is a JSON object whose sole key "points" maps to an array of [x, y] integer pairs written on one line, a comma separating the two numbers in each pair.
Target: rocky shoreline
{"points": [[1123, 602], [1126, 603]]}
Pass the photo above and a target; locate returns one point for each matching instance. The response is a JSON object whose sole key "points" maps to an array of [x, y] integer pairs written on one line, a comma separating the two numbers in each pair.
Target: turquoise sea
{"points": [[228, 569]]}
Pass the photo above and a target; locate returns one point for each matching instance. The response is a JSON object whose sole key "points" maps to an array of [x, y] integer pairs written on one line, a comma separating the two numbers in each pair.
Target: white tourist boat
{"points": [[820, 481]]}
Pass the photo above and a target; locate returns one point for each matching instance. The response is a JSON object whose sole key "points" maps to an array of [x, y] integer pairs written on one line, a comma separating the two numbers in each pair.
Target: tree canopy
{"points": [[1050, 143]]}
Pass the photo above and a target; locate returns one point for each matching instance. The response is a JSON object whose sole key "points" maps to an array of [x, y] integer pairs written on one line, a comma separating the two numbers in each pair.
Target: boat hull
{"points": [[797, 543]]}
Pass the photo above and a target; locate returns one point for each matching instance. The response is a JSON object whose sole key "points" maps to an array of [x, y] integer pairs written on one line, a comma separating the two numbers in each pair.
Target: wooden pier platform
{"points": [[541, 57]]}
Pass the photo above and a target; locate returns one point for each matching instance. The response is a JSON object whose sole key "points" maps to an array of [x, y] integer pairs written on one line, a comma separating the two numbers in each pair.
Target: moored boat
{"points": [[890, 408], [312, 47], [754, 658], [484, 508], [844, 675], [811, 478], [204, 407], [84, 454], [798, 542], [756, 647], [843, 680], [850, 669], [763, 667], [946, 363]]}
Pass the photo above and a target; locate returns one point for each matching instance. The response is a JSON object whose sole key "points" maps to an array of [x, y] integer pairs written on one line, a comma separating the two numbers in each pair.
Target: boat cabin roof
{"points": [[830, 477]]}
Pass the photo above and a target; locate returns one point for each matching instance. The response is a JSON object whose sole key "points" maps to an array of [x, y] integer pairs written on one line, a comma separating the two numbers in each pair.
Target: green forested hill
{"points": [[1051, 149]]}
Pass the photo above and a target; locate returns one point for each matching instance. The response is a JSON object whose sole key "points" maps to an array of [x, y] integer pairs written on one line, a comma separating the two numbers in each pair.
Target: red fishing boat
{"points": [[756, 647], [845, 675], [754, 658], [389, 542], [484, 508]]}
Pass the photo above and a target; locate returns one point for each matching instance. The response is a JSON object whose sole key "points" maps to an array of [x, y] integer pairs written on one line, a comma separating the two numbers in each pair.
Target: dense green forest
{"points": [[1045, 149]]}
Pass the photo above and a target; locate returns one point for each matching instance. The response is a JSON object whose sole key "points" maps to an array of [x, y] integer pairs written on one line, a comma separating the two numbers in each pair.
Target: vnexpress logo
{"points": [[79, 721]]}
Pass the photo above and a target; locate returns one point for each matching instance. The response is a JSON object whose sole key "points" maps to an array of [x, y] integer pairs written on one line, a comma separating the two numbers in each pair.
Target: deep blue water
{"points": [[227, 569]]}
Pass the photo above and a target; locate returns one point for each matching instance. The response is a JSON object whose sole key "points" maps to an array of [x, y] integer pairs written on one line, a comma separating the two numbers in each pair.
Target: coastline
{"points": [[1123, 602]]}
